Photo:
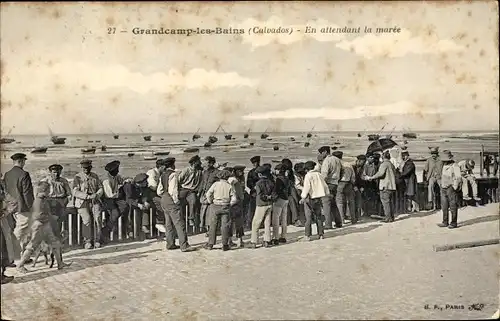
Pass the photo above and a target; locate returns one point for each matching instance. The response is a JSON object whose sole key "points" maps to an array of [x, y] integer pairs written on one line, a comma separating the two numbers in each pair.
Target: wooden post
{"points": [[120, 228], [78, 230], [481, 160], [70, 229], [134, 212], [151, 222]]}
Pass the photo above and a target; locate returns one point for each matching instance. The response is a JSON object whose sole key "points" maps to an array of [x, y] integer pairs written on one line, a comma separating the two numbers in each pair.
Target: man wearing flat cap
{"points": [[330, 169], [58, 198], [345, 190], [154, 175], [87, 192], [238, 210], [266, 195], [432, 176], [451, 181], [252, 179], [139, 198], [189, 182], [359, 185], [113, 198], [283, 187], [208, 177], [19, 186]]}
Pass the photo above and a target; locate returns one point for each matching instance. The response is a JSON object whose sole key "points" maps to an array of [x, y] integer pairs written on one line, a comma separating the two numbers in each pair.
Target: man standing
{"points": [[153, 181], [208, 177], [58, 198], [451, 179], [387, 185], [330, 169], [175, 223], [18, 185], [113, 198], [299, 174], [370, 194], [237, 210], [466, 168], [87, 192], [345, 191], [252, 179], [189, 182], [265, 196], [432, 176], [280, 205], [139, 196], [408, 175], [359, 185]]}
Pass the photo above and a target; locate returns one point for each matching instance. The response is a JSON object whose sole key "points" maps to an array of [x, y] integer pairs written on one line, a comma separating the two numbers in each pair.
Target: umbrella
{"points": [[381, 145]]}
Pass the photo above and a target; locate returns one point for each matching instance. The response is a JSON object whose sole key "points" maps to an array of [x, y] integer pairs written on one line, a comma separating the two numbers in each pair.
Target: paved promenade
{"points": [[367, 271]]}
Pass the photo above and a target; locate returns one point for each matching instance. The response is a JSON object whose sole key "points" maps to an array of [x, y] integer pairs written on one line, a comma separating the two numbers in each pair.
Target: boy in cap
{"points": [[252, 179], [221, 196], [432, 176], [168, 189], [265, 196], [280, 205], [189, 182], [238, 209], [18, 185], [154, 175], [315, 189], [466, 168], [208, 177], [87, 192], [113, 197], [451, 179], [41, 229], [138, 196], [330, 169]]}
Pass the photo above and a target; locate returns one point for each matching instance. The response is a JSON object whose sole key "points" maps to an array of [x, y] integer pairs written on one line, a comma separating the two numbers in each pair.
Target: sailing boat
{"points": [[389, 136], [408, 134], [212, 139], [115, 136], [196, 135], [56, 140], [309, 135], [147, 138], [376, 136], [264, 134], [226, 135], [247, 133], [5, 140]]}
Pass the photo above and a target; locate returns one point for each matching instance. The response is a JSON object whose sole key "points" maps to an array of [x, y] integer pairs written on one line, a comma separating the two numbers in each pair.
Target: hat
{"points": [[309, 165], [18, 156], [298, 167], [210, 159], [471, 163], [405, 152], [255, 159], [376, 155], [239, 167], [85, 163], [223, 174], [370, 155], [140, 178], [448, 154], [280, 167], [288, 163], [268, 166], [160, 162], [324, 149], [361, 157], [262, 170], [338, 154], [112, 166], [169, 161], [434, 150], [55, 167], [194, 159]]}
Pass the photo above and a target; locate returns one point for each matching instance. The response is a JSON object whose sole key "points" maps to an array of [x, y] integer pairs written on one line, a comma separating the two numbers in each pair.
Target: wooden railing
{"points": [[487, 190]]}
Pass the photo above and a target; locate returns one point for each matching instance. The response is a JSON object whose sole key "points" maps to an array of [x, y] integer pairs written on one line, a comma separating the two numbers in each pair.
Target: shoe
{"points": [[282, 240], [231, 243], [145, 230], [242, 244], [452, 226], [443, 225], [64, 265], [328, 228], [298, 223], [226, 247], [321, 237], [252, 245], [88, 246], [188, 249], [7, 279], [161, 228], [22, 269], [338, 226], [275, 242], [208, 247], [11, 265], [467, 198], [306, 239], [266, 244], [97, 245], [477, 199], [28, 261], [173, 247]]}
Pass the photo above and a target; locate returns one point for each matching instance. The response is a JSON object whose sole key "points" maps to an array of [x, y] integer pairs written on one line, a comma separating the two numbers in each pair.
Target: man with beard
{"points": [[113, 198], [189, 181], [252, 179], [330, 169], [208, 177]]}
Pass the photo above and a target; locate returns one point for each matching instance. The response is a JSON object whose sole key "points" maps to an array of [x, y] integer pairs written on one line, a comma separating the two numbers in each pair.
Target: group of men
{"points": [[215, 201]]}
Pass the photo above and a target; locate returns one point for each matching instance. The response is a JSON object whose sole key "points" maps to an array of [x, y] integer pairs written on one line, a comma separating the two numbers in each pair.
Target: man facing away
{"points": [[168, 189], [41, 229], [237, 212], [221, 197], [154, 175], [314, 190], [432, 176], [387, 185], [252, 179], [139, 196], [113, 198], [345, 190], [18, 185], [466, 168], [87, 192], [330, 169], [280, 205], [208, 177], [265, 195], [451, 179], [189, 181]]}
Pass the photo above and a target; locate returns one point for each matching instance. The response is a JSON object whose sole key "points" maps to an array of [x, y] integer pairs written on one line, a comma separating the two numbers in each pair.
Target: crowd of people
{"points": [[217, 200]]}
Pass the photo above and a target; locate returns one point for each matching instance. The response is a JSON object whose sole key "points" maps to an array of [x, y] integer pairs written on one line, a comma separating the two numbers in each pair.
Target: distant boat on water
{"points": [[130, 154], [373, 137], [247, 133], [196, 135], [264, 135], [39, 150], [309, 135], [56, 140], [359, 135], [146, 138], [88, 150], [5, 140], [150, 158], [191, 150], [162, 153], [207, 144], [409, 135], [115, 136], [104, 148]]}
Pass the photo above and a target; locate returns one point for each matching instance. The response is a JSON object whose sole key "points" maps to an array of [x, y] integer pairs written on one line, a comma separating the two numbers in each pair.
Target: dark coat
{"points": [[409, 177], [18, 185]]}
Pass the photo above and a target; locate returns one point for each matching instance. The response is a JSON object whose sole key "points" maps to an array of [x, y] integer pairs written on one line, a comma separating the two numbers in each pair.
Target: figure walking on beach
{"points": [[265, 195], [315, 189], [451, 179], [87, 192], [252, 179], [189, 181], [432, 176], [8, 207], [175, 223], [330, 169], [18, 185], [154, 175]]}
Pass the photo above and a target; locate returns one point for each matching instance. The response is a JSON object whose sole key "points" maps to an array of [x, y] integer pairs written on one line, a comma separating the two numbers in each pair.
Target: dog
{"points": [[47, 251]]}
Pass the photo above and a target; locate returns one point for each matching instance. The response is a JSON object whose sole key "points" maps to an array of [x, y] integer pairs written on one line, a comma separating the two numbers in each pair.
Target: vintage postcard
{"points": [[249, 160]]}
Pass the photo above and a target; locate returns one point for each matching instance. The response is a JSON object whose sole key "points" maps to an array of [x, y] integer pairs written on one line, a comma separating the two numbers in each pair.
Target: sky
{"points": [[61, 69]]}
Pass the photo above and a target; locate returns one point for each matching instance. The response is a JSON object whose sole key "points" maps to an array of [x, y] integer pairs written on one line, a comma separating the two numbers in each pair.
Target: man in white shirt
{"points": [[314, 190], [154, 175], [330, 169]]}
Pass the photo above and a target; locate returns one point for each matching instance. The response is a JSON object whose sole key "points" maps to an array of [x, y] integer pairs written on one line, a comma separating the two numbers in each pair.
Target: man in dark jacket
{"points": [[265, 196], [371, 194], [208, 177], [280, 205], [359, 185], [409, 177], [139, 199], [252, 179], [18, 184]]}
